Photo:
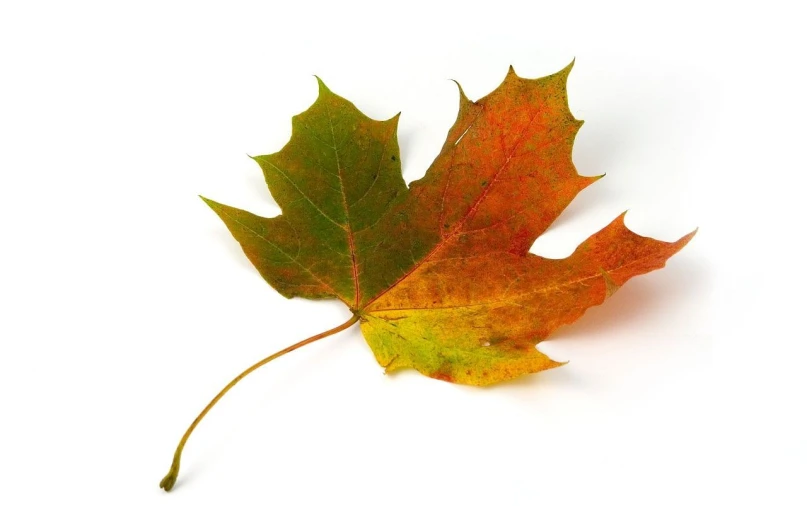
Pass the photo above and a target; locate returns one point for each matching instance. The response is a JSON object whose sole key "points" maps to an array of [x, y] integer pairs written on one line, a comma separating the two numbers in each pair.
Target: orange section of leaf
{"points": [[476, 320], [475, 303]]}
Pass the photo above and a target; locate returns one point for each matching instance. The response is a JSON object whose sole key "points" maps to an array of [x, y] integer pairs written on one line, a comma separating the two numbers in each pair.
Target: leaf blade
{"points": [[440, 271]]}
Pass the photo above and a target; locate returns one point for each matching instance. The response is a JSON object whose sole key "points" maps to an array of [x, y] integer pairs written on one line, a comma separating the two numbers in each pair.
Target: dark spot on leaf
{"points": [[443, 375], [393, 158]]}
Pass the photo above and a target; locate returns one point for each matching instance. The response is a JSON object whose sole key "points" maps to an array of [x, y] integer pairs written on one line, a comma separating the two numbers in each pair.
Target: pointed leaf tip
{"points": [[511, 75], [464, 100], [212, 204], [555, 363], [562, 73], [688, 237], [568, 68], [322, 88]]}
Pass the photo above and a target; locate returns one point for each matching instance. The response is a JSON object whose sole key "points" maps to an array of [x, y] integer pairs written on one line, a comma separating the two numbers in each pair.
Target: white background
{"points": [[125, 305]]}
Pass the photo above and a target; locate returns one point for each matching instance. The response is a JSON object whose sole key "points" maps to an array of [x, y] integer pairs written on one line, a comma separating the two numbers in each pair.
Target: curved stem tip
{"points": [[170, 479]]}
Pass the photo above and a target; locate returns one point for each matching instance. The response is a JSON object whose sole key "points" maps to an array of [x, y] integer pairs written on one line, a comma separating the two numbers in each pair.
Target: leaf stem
{"points": [[170, 479]]}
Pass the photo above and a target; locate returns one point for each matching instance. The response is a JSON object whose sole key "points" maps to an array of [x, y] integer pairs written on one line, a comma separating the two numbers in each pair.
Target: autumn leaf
{"points": [[439, 273]]}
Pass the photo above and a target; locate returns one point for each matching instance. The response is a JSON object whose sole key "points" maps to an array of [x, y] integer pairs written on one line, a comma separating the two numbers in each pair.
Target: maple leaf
{"points": [[439, 273]]}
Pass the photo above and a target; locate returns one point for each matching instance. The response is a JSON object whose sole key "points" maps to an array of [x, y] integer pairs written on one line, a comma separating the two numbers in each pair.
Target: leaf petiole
{"points": [[170, 479]]}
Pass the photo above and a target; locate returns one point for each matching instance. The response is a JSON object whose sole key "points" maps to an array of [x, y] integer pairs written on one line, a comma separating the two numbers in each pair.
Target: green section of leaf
{"points": [[337, 175]]}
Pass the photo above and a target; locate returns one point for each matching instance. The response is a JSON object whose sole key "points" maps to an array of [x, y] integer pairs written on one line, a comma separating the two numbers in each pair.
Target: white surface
{"points": [[126, 305]]}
